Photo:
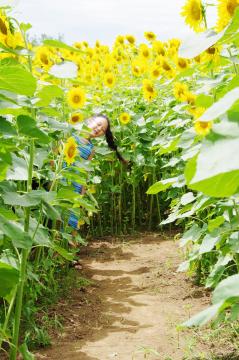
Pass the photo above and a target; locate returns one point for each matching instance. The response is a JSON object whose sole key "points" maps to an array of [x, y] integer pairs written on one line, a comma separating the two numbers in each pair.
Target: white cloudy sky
{"points": [[89, 20]]}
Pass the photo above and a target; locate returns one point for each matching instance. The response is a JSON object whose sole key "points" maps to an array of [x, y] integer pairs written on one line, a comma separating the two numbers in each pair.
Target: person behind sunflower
{"points": [[98, 125]]}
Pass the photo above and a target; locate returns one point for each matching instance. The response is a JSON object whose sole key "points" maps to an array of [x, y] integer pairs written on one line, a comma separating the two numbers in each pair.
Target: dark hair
{"points": [[110, 138]]}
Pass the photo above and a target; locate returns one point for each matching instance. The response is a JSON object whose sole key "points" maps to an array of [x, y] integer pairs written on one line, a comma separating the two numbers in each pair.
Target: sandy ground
{"points": [[133, 306]]}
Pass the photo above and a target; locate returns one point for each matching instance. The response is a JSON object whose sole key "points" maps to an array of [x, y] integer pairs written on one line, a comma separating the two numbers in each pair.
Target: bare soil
{"points": [[132, 307]]}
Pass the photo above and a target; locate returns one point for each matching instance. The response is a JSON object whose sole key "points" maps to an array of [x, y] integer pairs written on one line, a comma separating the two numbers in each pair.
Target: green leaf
{"points": [[204, 100], [198, 43], [6, 128], [208, 243], [18, 170], [25, 26], [234, 312], [190, 169], [47, 94], [9, 277], [7, 49], [61, 45], [85, 204], [28, 127], [66, 194], [215, 223], [221, 106], [218, 186], [26, 354], [161, 186], [193, 234], [171, 147], [217, 168], [8, 214], [32, 198], [187, 198], [6, 99], [226, 289], [14, 111], [41, 236], [16, 79], [15, 232], [51, 212], [218, 270], [63, 252], [184, 266], [204, 316]]}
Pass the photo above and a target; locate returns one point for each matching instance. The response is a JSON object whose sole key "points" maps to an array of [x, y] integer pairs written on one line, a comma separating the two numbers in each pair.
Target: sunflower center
{"points": [[145, 53], [71, 151], [150, 88], [3, 28], [76, 99], [203, 124], [211, 50], [180, 92], [110, 80], [44, 59], [130, 40], [231, 5], [166, 66], [182, 63], [195, 11], [161, 52], [75, 118]]}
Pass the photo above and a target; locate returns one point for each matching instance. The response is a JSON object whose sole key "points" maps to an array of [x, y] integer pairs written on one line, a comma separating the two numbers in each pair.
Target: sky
{"points": [[103, 20]]}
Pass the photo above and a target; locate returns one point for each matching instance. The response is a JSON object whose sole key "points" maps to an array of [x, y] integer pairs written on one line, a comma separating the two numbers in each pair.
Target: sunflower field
{"points": [[174, 110]]}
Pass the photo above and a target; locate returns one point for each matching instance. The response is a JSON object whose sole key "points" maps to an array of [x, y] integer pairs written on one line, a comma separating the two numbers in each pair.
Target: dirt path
{"points": [[133, 306]]}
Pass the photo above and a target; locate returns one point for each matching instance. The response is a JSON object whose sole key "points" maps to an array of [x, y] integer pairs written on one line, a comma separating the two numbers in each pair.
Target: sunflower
{"points": [[198, 59], [124, 118], [130, 39], [182, 64], [196, 111], [167, 68], [202, 127], [149, 35], [76, 97], [190, 98], [76, 118], [109, 79], [6, 33], [77, 45], [136, 69], [120, 39], [212, 53], [80, 223], [192, 11], [180, 91], [70, 150], [4, 27], [149, 92], [43, 57], [158, 47], [225, 10], [174, 43], [155, 71], [144, 51]]}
